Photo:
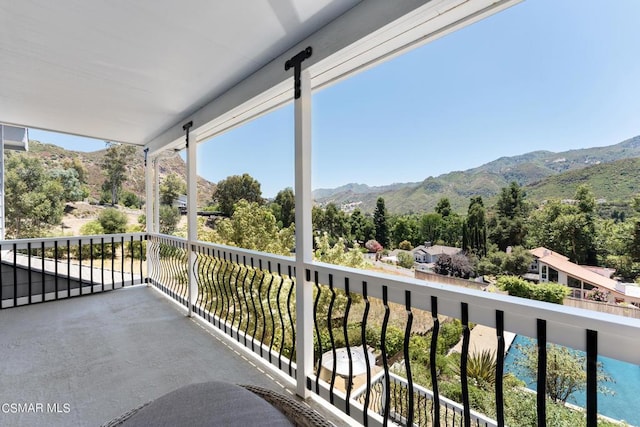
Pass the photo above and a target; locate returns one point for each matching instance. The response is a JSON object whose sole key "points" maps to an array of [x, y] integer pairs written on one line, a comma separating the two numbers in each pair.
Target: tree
{"points": [[567, 229], [68, 178], [114, 164], [443, 265], [338, 254], [373, 246], [254, 227], [286, 207], [451, 230], [404, 228], [461, 266], [566, 370], [169, 218], [113, 221], [171, 188], [362, 228], [508, 224], [231, 190], [77, 165], [331, 221], [517, 261], [474, 233], [380, 222], [443, 207], [34, 201], [430, 227]]}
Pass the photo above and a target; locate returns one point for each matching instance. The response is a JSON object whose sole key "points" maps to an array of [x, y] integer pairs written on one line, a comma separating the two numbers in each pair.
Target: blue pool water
{"points": [[623, 405]]}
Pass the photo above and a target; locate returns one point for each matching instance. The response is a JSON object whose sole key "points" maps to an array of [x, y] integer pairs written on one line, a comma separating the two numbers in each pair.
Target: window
{"points": [[572, 282], [544, 272], [553, 275]]}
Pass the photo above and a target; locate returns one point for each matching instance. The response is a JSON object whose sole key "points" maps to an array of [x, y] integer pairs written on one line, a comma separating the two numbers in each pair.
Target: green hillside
{"points": [[54, 157], [616, 181], [527, 169]]}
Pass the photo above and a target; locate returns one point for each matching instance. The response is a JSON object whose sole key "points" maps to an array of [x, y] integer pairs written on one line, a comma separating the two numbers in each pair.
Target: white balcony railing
{"points": [[251, 297]]}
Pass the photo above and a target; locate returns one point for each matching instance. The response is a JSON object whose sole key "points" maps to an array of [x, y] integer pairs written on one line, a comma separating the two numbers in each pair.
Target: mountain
{"points": [[614, 181], [528, 169], [53, 157]]}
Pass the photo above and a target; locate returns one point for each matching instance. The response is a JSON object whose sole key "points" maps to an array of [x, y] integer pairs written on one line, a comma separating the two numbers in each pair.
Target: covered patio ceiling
{"points": [[135, 72]]}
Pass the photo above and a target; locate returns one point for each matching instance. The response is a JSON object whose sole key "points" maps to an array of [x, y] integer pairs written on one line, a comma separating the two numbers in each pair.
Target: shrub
{"points": [[405, 259], [549, 292], [130, 200], [91, 229], [113, 221], [373, 246], [405, 245], [169, 218]]}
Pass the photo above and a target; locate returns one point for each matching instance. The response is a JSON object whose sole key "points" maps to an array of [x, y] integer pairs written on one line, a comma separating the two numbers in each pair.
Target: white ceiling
{"points": [[132, 71]]}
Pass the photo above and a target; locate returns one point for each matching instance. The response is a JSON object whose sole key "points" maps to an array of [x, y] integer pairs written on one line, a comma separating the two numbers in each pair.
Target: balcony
{"points": [[102, 324], [127, 340]]}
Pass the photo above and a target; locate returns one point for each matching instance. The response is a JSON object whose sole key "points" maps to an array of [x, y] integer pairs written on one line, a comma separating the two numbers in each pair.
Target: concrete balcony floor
{"points": [[100, 355]]}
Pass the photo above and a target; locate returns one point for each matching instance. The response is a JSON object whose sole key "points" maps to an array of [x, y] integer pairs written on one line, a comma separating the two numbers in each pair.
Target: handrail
{"points": [[618, 336]]}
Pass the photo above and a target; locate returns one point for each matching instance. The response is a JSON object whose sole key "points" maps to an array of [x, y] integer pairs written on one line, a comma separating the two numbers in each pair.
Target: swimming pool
{"points": [[623, 405]]}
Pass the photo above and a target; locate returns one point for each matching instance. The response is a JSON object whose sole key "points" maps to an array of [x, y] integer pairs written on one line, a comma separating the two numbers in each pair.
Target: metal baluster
{"points": [[346, 341], [253, 305], [365, 347], [43, 273], [466, 335], [407, 358], [331, 340], [91, 263], [592, 378], [102, 262], [317, 328], [264, 315], [433, 353], [542, 372], [500, 368], [273, 322], [385, 362], [280, 316], [29, 269], [291, 321]]}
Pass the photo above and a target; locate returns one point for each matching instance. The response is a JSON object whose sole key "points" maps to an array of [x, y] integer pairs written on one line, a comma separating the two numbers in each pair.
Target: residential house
{"points": [[429, 254], [551, 266]]}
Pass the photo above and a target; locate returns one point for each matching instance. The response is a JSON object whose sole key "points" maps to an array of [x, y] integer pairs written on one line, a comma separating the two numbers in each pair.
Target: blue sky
{"points": [[543, 75]]}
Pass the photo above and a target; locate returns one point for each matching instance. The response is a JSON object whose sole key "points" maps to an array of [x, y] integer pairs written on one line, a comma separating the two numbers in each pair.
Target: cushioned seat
{"points": [[206, 404]]}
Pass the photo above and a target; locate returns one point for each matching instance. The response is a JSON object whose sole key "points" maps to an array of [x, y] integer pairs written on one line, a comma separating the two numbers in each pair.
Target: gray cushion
{"points": [[208, 404]]}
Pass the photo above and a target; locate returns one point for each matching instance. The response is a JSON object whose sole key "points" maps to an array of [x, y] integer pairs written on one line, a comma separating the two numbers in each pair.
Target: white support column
{"points": [[156, 198], [304, 236], [192, 217], [149, 204]]}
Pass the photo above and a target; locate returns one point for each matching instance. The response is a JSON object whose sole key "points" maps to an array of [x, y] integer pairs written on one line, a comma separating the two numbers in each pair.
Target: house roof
{"points": [[436, 250], [136, 72], [542, 252], [562, 263]]}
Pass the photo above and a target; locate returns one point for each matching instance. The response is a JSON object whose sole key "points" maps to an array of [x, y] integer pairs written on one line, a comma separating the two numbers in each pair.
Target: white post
{"points": [[192, 216], [156, 198], [304, 235], [149, 204], [149, 190]]}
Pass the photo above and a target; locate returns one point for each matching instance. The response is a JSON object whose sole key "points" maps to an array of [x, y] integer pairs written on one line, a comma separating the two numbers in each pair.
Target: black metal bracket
{"points": [[146, 155], [186, 128], [296, 64]]}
